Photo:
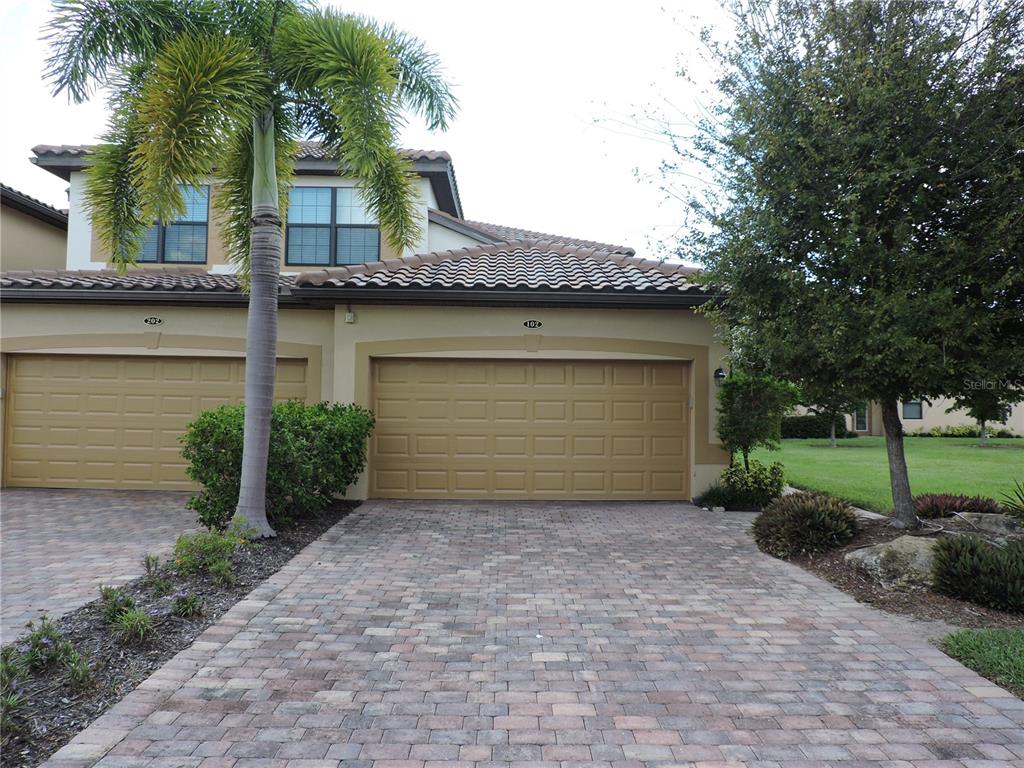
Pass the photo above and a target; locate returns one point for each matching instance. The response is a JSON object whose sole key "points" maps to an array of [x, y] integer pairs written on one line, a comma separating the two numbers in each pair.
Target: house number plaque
{"points": [[532, 323], [153, 320]]}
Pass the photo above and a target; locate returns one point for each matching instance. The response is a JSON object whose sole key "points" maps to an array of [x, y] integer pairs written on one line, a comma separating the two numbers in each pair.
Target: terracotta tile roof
{"points": [[165, 279], [505, 234], [308, 150], [527, 265]]}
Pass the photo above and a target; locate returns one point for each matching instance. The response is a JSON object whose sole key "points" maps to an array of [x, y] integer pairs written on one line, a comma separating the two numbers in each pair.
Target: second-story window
{"points": [[329, 225], [182, 241]]}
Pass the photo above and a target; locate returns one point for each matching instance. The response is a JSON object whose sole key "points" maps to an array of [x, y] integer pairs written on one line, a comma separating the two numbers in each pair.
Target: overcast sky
{"points": [[547, 91]]}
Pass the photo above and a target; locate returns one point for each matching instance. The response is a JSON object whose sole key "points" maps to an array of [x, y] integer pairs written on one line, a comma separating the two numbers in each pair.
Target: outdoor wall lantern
{"points": [[719, 377]]}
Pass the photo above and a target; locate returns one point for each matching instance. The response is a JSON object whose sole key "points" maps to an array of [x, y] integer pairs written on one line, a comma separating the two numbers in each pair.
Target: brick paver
{"points": [[552, 636], [58, 546]]}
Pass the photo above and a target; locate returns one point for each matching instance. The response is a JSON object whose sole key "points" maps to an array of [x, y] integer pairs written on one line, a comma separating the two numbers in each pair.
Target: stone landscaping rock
{"points": [[1001, 525], [902, 563]]}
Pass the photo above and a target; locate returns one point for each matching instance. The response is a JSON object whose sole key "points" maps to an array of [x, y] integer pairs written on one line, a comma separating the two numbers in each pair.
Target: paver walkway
{"points": [[546, 635], [58, 546]]}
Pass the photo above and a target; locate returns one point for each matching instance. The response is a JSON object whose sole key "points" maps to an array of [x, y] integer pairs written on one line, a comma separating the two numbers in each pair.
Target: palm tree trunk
{"points": [[261, 330], [902, 501], [832, 432]]}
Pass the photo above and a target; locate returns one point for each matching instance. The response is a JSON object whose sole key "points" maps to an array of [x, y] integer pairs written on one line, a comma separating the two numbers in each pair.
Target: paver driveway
{"points": [[58, 546], [552, 635]]}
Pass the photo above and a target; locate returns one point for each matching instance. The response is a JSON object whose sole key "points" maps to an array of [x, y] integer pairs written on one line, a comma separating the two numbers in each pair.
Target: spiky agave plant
{"points": [[225, 88]]}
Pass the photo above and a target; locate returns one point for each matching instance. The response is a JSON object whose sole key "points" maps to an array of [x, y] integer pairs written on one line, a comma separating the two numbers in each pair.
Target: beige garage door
{"points": [[517, 429], [114, 422]]}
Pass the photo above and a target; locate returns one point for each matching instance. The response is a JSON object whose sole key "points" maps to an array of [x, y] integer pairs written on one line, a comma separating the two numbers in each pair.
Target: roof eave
{"points": [[437, 171], [503, 298], [34, 208], [439, 218], [12, 295]]}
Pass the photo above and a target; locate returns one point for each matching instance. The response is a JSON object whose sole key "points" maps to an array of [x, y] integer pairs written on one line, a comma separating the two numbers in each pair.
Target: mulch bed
{"points": [[52, 713], [918, 603]]}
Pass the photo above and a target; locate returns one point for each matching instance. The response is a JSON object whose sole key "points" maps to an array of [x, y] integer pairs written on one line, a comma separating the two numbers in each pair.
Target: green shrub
{"points": [[934, 505], [206, 552], [996, 654], [963, 430], [715, 496], [186, 606], [133, 626], [11, 698], [804, 524], [114, 602], [316, 452], [813, 425], [752, 488], [79, 671], [969, 568], [42, 646]]}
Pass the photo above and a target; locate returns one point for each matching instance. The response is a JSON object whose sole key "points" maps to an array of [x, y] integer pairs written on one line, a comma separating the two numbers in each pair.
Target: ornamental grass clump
{"points": [[936, 505], [804, 525], [970, 568]]}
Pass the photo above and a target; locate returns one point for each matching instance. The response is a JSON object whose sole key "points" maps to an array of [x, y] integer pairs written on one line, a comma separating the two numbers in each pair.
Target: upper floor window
{"points": [[912, 409], [329, 225], [182, 241]]}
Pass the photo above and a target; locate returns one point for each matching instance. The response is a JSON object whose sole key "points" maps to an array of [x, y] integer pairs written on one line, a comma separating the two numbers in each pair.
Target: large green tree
{"points": [[867, 197], [224, 89]]}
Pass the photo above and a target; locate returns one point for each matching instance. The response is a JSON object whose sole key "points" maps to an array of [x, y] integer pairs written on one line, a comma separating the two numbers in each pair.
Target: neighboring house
{"points": [[925, 415], [33, 235], [500, 362]]}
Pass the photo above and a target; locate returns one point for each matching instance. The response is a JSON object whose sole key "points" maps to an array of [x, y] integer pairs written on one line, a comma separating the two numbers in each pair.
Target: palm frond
{"points": [[202, 91], [90, 38], [351, 78], [232, 202], [422, 86], [111, 196]]}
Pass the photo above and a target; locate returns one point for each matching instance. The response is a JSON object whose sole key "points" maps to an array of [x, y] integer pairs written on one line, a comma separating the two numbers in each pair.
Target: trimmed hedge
{"points": [[935, 505], [804, 525], [969, 568], [813, 425], [963, 430], [316, 452]]}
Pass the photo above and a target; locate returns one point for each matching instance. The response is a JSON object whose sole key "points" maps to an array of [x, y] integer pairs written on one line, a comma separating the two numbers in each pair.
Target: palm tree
{"points": [[225, 88]]}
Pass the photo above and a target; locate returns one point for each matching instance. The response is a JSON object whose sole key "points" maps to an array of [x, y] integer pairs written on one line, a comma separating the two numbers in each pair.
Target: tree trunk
{"points": [[832, 432], [903, 506], [266, 243], [983, 433]]}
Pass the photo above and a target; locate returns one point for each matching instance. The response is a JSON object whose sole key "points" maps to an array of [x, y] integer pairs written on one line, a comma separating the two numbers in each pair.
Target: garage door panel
{"points": [[115, 422], [537, 429]]}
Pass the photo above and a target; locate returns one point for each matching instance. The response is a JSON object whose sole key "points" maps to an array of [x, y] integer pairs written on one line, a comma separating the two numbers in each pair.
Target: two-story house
{"points": [[500, 362]]}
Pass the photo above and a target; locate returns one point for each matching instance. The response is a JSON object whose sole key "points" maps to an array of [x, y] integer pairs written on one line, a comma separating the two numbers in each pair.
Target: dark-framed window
{"points": [[327, 226], [860, 418], [182, 241], [912, 409]]}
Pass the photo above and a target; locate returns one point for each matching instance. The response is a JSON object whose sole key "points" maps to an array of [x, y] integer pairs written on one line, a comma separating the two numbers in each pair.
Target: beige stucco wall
{"points": [[28, 243], [342, 351]]}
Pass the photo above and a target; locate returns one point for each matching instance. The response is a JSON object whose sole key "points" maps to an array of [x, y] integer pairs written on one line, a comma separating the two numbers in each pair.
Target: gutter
{"points": [[35, 209], [491, 298], [131, 297]]}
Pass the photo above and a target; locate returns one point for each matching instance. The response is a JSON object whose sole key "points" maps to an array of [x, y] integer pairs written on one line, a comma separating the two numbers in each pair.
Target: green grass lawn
{"points": [[997, 654], [858, 470]]}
